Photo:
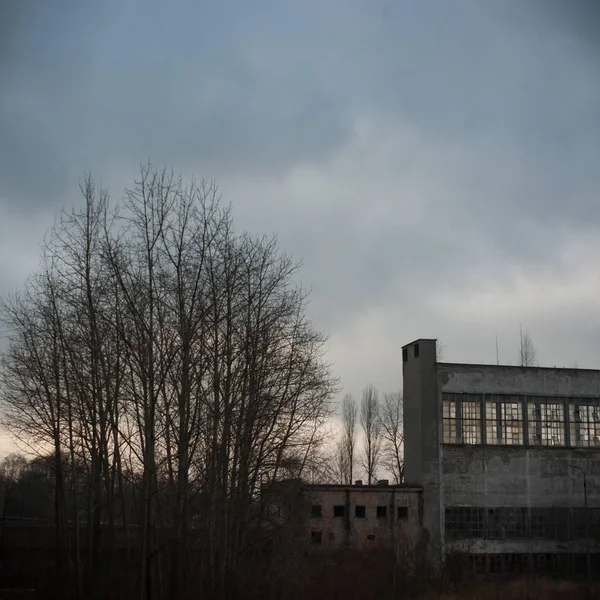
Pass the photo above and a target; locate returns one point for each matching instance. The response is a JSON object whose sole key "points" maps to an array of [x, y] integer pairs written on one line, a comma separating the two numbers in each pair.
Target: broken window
{"points": [[381, 512], [339, 510], [315, 511], [449, 413], [360, 512], [507, 523], [584, 419], [464, 522], [402, 512], [461, 419], [585, 523], [546, 423], [504, 421], [471, 423], [315, 537], [549, 523]]}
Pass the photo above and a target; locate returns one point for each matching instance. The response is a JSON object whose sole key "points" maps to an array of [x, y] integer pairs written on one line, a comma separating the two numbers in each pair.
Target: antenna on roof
{"points": [[497, 359]]}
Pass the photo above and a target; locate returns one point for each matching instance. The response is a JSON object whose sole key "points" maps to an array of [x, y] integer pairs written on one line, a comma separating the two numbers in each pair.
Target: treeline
{"points": [[371, 438], [166, 365]]}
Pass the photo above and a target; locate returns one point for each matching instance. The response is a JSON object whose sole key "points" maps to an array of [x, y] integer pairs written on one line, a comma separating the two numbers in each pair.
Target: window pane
{"points": [[512, 423], [471, 423], [449, 433], [492, 433]]}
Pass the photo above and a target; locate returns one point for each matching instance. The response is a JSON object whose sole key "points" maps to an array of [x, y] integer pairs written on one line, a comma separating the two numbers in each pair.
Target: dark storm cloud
{"points": [[415, 154], [190, 87], [580, 17]]}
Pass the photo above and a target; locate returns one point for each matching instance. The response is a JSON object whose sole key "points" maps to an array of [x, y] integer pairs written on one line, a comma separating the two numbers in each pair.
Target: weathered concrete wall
{"points": [[422, 430], [490, 379], [520, 477], [353, 532]]}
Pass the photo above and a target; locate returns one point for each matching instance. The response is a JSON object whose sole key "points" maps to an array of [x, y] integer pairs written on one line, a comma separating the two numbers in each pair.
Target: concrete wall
{"points": [[505, 476], [491, 379], [354, 532], [422, 430]]}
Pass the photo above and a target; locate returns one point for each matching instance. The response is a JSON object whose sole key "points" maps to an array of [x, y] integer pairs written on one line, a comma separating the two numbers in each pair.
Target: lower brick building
{"points": [[361, 516]]}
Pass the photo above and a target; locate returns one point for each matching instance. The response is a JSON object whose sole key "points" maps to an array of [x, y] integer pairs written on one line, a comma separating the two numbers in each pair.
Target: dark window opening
{"points": [[463, 522], [416, 350], [370, 537], [404, 354], [381, 512], [315, 537], [403, 512], [360, 512], [339, 510], [315, 510]]}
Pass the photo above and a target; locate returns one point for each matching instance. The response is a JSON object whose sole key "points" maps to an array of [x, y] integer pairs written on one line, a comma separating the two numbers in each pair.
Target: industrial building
{"points": [[502, 468], [508, 460], [354, 517], [360, 516]]}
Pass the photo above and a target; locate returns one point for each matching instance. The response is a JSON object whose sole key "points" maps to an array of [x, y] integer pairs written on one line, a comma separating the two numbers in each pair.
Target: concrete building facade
{"points": [[346, 517], [502, 454], [361, 517]]}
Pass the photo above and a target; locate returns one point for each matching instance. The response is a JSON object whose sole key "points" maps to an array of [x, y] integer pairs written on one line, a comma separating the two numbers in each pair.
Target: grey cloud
{"points": [[483, 155], [91, 96], [581, 18]]}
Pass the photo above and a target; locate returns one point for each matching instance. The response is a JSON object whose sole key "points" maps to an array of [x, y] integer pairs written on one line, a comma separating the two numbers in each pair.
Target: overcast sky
{"points": [[435, 164]]}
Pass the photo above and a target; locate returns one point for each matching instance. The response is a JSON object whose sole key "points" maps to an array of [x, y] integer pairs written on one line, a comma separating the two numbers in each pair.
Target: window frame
{"points": [[584, 433]]}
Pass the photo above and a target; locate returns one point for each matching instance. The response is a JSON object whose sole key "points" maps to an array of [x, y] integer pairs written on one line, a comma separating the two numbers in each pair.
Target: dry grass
{"points": [[520, 589]]}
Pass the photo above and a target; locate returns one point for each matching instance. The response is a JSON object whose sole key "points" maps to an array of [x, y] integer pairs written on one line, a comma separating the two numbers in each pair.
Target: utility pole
{"points": [[587, 523]]}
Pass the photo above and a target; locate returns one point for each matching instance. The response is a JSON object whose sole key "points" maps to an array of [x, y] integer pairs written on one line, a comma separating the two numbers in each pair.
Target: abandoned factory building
{"points": [[358, 517], [508, 459], [502, 464]]}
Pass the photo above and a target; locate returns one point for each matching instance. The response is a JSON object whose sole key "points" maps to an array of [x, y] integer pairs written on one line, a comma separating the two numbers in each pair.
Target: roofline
{"points": [[516, 367], [370, 488], [419, 340]]}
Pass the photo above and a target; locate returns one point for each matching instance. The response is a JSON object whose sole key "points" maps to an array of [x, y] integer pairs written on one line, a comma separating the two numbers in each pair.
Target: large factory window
{"points": [[504, 421], [464, 522], [461, 419], [505, 523], [584, 419], [546, 420]]}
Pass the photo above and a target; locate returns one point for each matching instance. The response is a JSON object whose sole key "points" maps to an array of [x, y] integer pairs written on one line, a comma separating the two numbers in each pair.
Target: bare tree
{"points": [[371, 425], [348, 443], [527, 351], [169, 366], [392, 433], [341, 467]]}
